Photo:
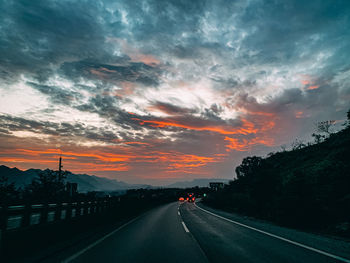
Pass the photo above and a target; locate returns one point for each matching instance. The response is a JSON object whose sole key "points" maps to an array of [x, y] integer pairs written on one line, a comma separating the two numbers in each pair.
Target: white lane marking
{"points": [[178, 212], [278, 237], [185, 227], [74, 256]]}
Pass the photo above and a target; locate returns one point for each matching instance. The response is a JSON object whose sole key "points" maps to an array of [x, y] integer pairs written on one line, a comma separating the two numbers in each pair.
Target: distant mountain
{"points": [[196, 182], [85, 182]]}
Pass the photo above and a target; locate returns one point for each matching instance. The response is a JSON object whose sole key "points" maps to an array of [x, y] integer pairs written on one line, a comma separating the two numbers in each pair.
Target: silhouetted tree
{"points": [[248, 166], [323, 130], [325, 127], [48, 187], [8, 191], [318, 137], [298, 144], [284, 148]]}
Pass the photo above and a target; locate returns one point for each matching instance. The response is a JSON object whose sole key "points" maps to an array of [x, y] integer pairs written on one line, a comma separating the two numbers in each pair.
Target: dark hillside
{"points": [[305, 188]]}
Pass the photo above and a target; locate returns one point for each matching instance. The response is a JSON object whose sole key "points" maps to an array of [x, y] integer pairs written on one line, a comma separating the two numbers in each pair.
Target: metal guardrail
{"points": [[20, 216]]}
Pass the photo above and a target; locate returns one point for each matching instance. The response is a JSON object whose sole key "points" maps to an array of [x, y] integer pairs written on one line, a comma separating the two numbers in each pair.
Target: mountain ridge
{"points": [[86, 183]]}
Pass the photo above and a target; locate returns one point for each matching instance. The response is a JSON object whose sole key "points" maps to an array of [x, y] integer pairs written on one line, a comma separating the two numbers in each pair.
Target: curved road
{"points": [[185, 233]]}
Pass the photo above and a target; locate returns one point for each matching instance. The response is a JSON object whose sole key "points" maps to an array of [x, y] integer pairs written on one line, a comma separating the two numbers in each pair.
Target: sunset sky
{"points": [[163, 91]]}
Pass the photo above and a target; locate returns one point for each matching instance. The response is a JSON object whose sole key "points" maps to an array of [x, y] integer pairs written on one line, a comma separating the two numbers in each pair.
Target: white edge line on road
{"points": [[74, 256], [278, 237], [185, 227]]}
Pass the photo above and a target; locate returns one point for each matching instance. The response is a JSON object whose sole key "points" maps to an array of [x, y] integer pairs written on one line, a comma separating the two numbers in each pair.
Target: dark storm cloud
{"points": [[132, 72], [162, 20], [213, 112], [36, 37], [21, 124], [107, 108], [11, 124], [172, 109], [37, 34], [56, 94], [287, 28]]}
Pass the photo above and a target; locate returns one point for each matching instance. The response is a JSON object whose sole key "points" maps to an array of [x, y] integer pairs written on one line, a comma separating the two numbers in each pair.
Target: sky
{"points": [[163, 91]]}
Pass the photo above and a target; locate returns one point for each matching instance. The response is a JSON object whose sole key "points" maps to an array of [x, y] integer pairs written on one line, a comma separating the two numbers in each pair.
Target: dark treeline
{"points": [[49, 186], [307, 187]]}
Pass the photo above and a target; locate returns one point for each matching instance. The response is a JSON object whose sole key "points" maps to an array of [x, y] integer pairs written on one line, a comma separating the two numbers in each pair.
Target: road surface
{"points": [[185, 233]]}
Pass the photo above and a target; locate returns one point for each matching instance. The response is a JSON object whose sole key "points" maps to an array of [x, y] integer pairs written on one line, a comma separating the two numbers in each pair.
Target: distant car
{"points": [[191, 198], [181, 199]]}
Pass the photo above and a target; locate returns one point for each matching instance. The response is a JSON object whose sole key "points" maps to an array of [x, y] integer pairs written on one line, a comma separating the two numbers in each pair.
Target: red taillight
{"points": [[193, 199]]}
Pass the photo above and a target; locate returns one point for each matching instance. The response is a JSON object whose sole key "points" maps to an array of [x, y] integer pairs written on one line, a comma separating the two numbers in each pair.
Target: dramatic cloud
{"points": [[158, 91]]}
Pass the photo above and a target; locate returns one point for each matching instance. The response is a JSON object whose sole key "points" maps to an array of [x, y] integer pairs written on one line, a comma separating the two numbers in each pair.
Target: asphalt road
{"points": [[184, 233]]}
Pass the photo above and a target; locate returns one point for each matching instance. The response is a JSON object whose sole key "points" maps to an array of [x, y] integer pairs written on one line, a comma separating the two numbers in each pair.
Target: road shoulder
{"points": [[327, 244]]}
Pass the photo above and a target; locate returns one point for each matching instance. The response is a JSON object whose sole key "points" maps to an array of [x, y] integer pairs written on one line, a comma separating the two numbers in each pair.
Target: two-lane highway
{"points": [[158, 236], [186, 233]]}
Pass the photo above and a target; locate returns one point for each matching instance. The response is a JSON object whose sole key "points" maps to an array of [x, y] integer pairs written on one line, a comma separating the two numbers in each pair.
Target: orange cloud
{"points": [[95, 160], [305, 82], [107, 157], [87, 167], [309, 83], [247, 127], [146, 59], [23, 160], [245, 144], [312, 87], [99, 73], [299, 114]]}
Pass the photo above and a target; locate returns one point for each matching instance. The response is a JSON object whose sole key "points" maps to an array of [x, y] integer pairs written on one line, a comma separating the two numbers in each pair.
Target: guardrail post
{"points": [[85, 210], [26, 215], [95, 207], [88, 208], [68, 211], [92, 207], [100, 206], [3, 225], [78, 209], [1, 231], [58, 211], [3, 217], [44, 214]]}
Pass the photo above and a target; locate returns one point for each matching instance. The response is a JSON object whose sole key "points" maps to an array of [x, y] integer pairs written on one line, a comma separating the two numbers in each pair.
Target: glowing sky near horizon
{"points": [[163, 91]]}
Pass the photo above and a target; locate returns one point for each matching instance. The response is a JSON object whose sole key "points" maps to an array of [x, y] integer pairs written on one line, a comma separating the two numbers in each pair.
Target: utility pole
{"points": [[60, 169]]}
